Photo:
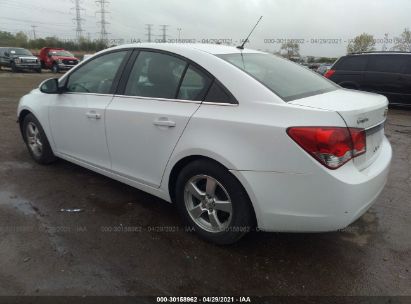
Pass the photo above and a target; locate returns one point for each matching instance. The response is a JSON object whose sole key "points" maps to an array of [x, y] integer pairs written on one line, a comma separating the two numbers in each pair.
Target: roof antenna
{"points": [[241, 47]]}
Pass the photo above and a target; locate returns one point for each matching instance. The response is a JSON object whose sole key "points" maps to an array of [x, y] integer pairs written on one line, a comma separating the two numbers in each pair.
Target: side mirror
{"points": [[49, 55], [50, 86]]}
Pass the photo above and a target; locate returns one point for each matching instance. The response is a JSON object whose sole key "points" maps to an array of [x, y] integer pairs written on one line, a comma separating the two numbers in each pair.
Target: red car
{"points": [[57, 59]]}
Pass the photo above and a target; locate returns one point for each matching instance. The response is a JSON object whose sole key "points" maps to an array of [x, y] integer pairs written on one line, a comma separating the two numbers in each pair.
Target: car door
{"points": [[77, 116], [350, 71], [146, 119], [405, 80], [383, 76]]}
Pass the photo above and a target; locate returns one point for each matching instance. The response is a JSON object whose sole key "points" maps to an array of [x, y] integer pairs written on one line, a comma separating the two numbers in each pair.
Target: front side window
{"points": [[155, 75], [96, 76], [352, 63], [288, 80]]}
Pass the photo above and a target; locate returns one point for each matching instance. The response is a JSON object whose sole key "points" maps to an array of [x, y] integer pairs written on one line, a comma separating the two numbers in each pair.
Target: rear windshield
{"points": [[288, 80]]}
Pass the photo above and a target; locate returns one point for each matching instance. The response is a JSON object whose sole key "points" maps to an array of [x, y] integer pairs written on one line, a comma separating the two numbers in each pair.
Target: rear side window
{"points": [[155, 75], [219, 95], [195, 85], [387, 64], [352, 63]]}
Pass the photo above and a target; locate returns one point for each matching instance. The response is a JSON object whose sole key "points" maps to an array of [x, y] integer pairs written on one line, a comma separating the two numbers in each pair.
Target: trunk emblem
{"points": [[362, 120]]}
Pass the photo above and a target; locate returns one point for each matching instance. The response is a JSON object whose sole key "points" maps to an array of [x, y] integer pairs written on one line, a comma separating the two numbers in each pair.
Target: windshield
{"points": [[288, 80], [61, 53], [20, 52]]}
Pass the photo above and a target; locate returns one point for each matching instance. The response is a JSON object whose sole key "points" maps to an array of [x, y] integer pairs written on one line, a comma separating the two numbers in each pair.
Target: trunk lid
{"points": [[359, 110]]}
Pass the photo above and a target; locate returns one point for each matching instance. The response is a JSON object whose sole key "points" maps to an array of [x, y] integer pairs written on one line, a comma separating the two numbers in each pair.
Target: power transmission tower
{"points": [[384, 46], [179, 33], [103, 22], [78, 19], [164, 32], [34, 31], [149, 28]]}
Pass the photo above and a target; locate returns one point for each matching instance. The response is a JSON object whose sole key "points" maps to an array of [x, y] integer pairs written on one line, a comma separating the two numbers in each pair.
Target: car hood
{"points": [[65, 58], [25, 57]]}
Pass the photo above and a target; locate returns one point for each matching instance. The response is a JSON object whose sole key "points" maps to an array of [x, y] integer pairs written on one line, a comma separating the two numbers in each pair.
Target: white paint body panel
{"points": [[289, 190]]}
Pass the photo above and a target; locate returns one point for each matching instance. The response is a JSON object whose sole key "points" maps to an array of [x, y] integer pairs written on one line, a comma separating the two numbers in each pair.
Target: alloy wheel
{"points": [[34, 140], [208, 203]]}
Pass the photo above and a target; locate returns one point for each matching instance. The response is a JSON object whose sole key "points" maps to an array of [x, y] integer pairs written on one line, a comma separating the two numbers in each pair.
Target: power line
{"points": [[34, 21], [103, 22], [149, 28], [78, 19]]}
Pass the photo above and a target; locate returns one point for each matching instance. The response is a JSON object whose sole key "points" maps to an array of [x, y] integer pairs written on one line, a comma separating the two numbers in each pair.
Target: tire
{"points": [[13, 67], [234, 216], [36, 141], [38, 71], [55, 68]]}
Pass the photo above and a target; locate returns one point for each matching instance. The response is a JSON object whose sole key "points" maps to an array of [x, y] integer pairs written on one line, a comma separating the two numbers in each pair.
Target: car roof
{"points": [[215, 49], [380, 53]]}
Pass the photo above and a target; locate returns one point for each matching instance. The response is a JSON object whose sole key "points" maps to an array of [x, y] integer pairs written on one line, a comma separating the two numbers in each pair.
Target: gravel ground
{"points": [[44, 251]]}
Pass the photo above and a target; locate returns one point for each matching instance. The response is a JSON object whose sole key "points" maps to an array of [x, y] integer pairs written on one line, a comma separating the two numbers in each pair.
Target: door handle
{"points": [[164, 122], [93, 115]]}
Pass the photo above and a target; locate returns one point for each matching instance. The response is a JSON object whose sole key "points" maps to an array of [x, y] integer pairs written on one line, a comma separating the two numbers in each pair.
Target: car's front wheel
{"points": [[55, 68], [13, 67], [36, 141], [213, 202]]}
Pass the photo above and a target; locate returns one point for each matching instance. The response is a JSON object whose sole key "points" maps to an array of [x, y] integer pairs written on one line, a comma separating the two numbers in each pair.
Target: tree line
{"points": [[366, 43], [20, 39]]}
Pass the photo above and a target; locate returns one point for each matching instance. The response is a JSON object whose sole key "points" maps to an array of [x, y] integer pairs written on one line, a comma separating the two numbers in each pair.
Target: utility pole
{"points": [[103, 22], [34, 31], [78, 19], [384, 46], [149, 28], [179, 33], [164, 32]]}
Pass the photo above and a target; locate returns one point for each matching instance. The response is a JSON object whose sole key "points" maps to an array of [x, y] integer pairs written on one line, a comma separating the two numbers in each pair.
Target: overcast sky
{"points": [[219, 19]]}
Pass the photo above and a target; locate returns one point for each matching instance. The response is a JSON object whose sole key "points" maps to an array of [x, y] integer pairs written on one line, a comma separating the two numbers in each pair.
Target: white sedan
{"points": [[237, 139]]}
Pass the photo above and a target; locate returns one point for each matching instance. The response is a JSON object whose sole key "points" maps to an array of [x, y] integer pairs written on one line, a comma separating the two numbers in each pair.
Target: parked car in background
{"points": [[57, 59], [324, 68], [87, 56], [386, 73], [235, 138], [18, 59]]}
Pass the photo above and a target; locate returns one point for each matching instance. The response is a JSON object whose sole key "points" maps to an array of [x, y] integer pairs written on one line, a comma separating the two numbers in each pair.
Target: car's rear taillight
{"points": [[331, 146], [329, 74]]}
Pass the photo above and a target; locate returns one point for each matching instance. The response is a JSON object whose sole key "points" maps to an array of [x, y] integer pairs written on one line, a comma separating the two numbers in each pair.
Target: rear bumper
{"points": [[315, 202]]}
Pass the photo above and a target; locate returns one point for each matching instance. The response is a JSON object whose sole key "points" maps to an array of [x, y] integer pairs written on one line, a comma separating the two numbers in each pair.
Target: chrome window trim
{"points": [[159, 99], [85, 93], [176, 100], [224, 104]]}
